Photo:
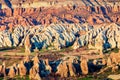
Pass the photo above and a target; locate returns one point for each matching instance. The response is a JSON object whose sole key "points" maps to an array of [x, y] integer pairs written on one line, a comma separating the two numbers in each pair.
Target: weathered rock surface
{"points": [[31, 13], [114, 77], [64, 67], [103, 37]]}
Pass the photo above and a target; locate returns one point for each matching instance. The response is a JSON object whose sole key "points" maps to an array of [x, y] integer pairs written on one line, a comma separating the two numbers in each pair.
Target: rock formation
{"points": [[68, 66], [71, 69], [115, 57], [62, 70], [2, 70], [62, 35], [104, 62], [59, 24], [47, 66], [15, 66], [76, 44], [84, 66], [34, 71], [22, 69], [37, 77], [27, 59], [11, 73], [114, 77], [36, 60], [114, 68], [27, 44], [109, 62], [30, 13]]}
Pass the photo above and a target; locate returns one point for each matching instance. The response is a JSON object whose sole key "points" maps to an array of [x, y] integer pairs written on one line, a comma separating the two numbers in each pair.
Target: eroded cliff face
{"points": [[68, 20], [76, 12], [57, 36]]}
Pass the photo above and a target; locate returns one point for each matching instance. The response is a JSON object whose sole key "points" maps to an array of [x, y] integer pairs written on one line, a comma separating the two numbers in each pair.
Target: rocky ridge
{"points": [[61, 12], [58, 36]]}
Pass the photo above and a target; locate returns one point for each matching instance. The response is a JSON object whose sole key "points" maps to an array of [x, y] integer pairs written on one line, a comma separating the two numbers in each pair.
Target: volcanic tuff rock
{"points": [[31, 13], [34, 71], [114, 77], [84, 66], [22, 69], [63, 68], [66, 66], [12, 72], [103, 36]]}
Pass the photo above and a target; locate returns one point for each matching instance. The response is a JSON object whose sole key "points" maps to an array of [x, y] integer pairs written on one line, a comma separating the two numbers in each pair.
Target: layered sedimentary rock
{"points": [[30, 13]]}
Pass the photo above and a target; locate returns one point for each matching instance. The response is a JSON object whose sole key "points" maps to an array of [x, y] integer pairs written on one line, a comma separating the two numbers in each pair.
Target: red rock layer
{"points": [[69, 14]]}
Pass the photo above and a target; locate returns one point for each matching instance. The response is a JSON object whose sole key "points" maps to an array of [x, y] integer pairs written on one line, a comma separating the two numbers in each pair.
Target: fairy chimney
{"points": [[27, 44], [11, 73], [109, 62], [84, 66], [71, 69], [62, 69], [22, 69]]}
